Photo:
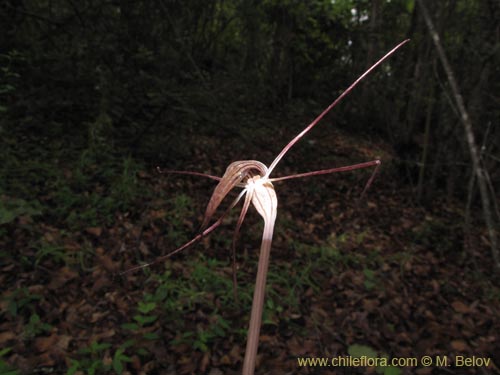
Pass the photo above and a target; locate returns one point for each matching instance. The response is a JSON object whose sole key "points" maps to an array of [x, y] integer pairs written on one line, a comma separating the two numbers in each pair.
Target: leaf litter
{"points": [[393, 284]]}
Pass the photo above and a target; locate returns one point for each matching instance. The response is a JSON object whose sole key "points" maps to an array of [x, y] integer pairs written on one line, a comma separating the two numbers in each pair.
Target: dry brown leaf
{"points": [[459, 345], [49, 237], [205, 362], [225, 360], [101, 281], [460, 307], [45, 359], [61, 277], [102, 335], [136, 362], [143, 174], [157, 214], [295, 347], [43, 344], [63, 342], [96, 231], [235, 353], [188, 364], [106, 261], [98, 315], [370, 304], [266, 338], [403, 337], [6, 336]]}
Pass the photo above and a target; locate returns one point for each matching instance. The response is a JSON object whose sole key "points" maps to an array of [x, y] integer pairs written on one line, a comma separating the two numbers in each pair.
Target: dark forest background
{"points": [[95, 94]]}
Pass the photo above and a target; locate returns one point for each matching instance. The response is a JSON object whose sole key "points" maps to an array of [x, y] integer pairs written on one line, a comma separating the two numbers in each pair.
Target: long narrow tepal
{"points": [[317, 119]]}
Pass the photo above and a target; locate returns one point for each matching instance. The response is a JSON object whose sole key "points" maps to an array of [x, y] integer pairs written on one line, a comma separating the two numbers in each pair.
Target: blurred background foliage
{"points": [[96, 93], [96, 82]]}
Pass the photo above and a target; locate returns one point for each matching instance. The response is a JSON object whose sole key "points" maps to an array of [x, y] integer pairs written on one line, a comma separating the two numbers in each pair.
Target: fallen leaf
{"points": [[295, 347], [236, 353], [6, 336], [225, 360], [370, 304], [106, 261], [460, 307], [205, 361], [459, 345], [43, 344], [61, 277], [96, 231], [157, 214], [96, 316], [266, 338], [63, 342]]}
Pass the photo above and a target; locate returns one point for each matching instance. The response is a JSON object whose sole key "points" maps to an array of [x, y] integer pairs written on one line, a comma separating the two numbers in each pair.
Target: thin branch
{"points": [[478, 169], [493, 157]]}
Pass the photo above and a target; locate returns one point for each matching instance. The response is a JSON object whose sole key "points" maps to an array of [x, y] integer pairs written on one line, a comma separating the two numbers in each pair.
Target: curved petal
{"points": [[235, 173], [264, 199]]}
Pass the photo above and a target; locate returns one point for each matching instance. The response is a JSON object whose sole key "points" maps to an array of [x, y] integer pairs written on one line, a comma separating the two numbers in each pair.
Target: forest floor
{"points": [[380, 276]]}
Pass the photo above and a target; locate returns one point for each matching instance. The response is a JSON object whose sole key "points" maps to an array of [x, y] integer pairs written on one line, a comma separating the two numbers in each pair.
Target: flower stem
{"points": [[258, 300]]}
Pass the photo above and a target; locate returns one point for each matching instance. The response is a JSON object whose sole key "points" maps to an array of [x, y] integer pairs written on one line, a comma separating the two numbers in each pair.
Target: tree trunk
{"points": [[478, 169]]}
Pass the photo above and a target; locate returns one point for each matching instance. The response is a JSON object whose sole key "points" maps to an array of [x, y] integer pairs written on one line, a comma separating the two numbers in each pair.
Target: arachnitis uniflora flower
{"points": [[254, 178]]}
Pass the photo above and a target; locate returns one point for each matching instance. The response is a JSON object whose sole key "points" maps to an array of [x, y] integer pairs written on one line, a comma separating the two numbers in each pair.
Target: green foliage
{"points": [[204, 337], [5, 369], [118, 359], [51, 251], [20, 300], [191, 63], [91, 361], [436, 233], [35, 327], [179, 208], [94, 195], [201, 283], [370, 281], [272, 312], [12, 208], [8, 78], [176, 296], [82, 111], [144, 318], [359, 351]]}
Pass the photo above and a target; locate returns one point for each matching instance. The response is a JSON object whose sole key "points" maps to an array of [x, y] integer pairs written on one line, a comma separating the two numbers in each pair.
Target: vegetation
{"points": [[95, 94]]}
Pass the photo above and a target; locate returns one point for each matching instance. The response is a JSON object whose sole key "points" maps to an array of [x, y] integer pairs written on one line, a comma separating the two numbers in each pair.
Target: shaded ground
{"points": [[383, 273]]}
